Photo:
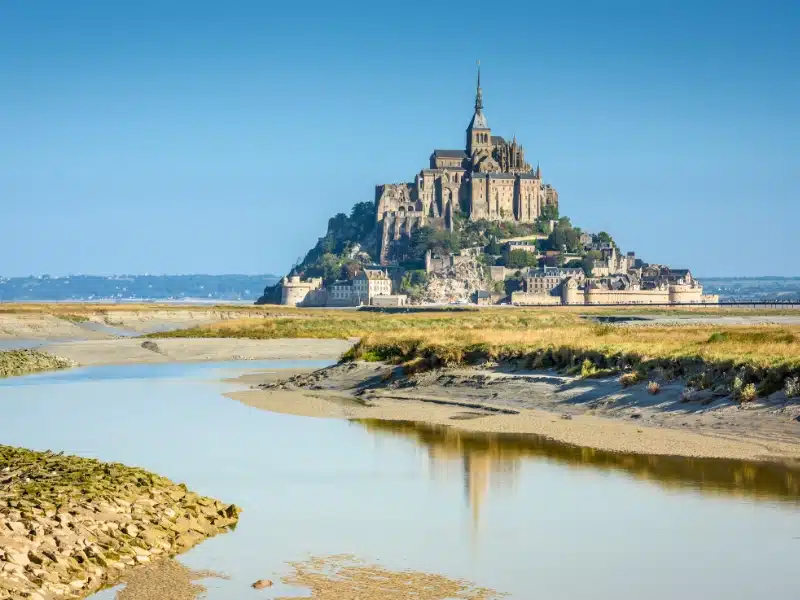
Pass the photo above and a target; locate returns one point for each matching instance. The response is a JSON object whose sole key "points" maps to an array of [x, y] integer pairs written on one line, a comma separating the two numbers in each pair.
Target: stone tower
{"points": [[479, 136]]}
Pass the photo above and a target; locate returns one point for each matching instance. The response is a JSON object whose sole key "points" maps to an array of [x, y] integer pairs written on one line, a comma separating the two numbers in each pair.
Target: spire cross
{"points": [[479, 93]]}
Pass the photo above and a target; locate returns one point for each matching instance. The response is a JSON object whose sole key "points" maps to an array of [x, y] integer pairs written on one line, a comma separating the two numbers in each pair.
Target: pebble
{"points": [[262, 583]]}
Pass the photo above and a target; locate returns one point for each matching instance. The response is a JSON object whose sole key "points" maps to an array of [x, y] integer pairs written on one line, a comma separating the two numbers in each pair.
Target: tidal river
{"points": [[517, 514]]}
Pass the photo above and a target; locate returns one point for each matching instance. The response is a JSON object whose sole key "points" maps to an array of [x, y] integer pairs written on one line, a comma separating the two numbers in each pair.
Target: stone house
{"points": [[370, 283], [549, 279], [340, 293], [526, 245], [483, 298]]}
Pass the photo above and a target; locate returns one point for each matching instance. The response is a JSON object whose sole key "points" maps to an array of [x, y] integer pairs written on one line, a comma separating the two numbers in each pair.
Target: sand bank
{"points": [[93, 321], [122, 351], [591, 413]]}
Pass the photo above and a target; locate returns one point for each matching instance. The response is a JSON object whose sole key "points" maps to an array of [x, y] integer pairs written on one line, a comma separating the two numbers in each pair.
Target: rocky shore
{"points": [[21, 362], [69, 525]]}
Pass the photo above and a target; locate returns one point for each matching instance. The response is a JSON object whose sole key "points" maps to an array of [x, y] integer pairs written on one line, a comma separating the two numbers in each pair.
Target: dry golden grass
{"points": [[513, 332]]}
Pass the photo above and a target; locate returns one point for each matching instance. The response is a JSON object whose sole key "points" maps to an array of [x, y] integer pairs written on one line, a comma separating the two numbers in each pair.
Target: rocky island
{"points": [[480, 225]]}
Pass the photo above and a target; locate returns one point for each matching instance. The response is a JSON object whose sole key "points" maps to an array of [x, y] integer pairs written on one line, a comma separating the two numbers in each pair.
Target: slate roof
{"points": [[502, 176], [478, 121], [450, 153]]}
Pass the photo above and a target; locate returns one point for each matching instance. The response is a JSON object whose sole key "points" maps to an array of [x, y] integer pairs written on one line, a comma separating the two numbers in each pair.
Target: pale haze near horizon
{"points": [[219, 138]]}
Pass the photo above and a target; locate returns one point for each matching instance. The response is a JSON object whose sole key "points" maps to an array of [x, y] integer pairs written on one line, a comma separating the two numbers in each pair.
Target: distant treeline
{"points": [[133, 287]]}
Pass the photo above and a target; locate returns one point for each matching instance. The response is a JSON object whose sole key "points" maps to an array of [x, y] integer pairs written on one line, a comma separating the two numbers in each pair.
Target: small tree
{"points": [[587, 264], [550, 212], [517, 259], [493, 247], [603, 238]]}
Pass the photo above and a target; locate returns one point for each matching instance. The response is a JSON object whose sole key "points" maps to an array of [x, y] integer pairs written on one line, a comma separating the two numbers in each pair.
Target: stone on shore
{"points": [[70, 525]]}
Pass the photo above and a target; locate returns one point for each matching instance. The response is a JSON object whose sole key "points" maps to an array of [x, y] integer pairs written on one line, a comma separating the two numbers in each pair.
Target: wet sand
{"points": [[130, 350], [106, 322], [591, 413], [165, 579]]}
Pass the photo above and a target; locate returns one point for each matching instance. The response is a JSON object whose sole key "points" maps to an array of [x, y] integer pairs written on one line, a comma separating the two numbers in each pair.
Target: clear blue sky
{"points": [[193, 136]]}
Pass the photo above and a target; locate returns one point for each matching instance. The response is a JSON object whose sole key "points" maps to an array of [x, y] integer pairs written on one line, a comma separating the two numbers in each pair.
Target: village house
{"points": [[370, 283], [340, 293], [548, 279], [526, 245]]}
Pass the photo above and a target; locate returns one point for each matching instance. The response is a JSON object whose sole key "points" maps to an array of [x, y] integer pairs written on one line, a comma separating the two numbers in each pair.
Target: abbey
{"points": [[489, 179]]}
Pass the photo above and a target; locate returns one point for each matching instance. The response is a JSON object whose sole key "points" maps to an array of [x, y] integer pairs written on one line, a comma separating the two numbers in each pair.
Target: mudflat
{"points": [[595, 413], [136, 350]]}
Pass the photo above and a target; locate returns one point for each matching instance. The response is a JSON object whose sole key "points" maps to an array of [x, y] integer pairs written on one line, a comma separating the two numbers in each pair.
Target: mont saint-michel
{"points": [[483, 369], [487, 179], [478, 225]]}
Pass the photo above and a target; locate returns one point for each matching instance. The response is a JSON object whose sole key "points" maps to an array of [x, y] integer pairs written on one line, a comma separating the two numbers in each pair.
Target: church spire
{"points": [[479, 92]]}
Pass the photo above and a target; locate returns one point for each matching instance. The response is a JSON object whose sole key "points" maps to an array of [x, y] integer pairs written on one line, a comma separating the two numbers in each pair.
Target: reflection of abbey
{"points": [[489, 179]]}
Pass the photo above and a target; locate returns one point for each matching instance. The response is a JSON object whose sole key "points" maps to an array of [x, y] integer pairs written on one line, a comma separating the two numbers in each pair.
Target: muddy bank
{"points": [[21, 362], [123, 351], [70, 525], [595, 413], [88, 322]]}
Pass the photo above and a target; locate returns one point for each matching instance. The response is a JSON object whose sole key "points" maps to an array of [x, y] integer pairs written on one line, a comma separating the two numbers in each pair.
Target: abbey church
{"points": [[489, 179]]}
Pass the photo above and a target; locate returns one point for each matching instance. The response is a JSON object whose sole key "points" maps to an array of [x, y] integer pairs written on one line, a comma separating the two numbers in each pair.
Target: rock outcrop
{"points": [[454, 283], [70, 525]]}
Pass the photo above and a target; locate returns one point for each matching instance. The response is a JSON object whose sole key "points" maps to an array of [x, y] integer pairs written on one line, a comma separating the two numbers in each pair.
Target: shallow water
{"points": [[14, 344], [518, 514]]}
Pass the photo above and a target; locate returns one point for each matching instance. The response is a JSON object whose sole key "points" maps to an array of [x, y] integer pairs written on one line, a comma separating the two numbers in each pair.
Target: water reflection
{"points": [[490, 460]]}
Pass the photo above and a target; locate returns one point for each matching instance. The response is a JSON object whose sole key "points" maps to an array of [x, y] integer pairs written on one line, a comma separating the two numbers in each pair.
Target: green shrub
{"points": [[629, 379], [748, 393]]}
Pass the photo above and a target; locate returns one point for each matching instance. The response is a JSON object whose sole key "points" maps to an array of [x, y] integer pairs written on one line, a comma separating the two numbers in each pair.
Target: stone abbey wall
{"points": [[572, 295], [530, 299], [600, 296], [684, 294], [488, 179]]}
